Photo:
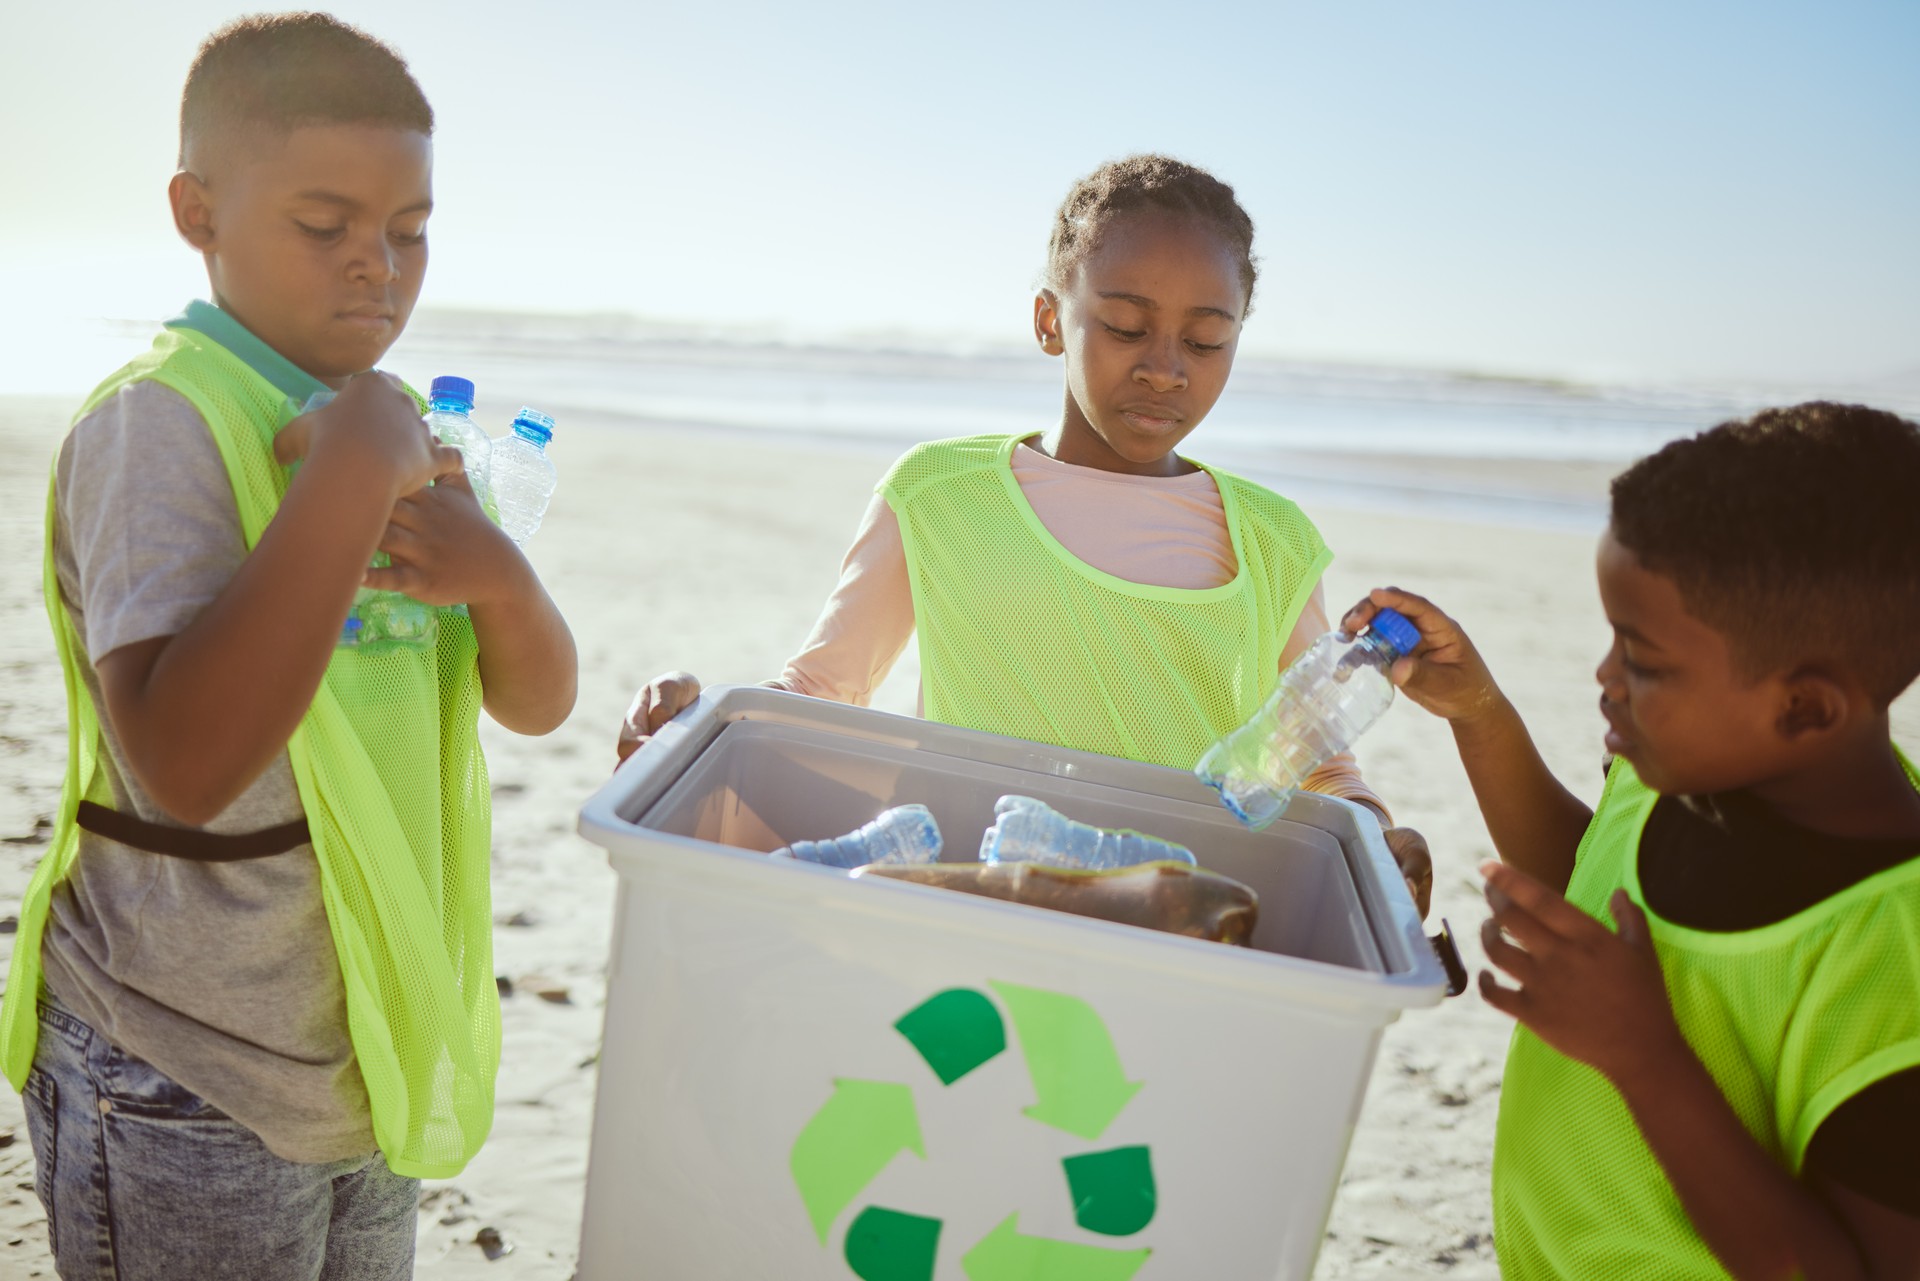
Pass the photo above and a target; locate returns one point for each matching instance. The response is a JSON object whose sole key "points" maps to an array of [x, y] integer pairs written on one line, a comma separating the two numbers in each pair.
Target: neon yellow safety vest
{"points": [[1791, 1019], [1020, 637], [389, 770]]}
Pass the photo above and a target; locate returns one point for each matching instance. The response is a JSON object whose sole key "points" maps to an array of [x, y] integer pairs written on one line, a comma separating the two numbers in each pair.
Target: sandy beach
{"points": [[673, 549]]}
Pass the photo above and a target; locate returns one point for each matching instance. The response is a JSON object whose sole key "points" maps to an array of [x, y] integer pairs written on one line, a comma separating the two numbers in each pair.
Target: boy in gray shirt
{"points": [[198, 1047]]}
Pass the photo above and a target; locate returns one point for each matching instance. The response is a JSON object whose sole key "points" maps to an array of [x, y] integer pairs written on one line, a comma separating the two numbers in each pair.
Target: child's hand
{"points": [[1409, 850], [1445, 673], [375, 427], [444, 549], [1591, 994], [658, 702]]}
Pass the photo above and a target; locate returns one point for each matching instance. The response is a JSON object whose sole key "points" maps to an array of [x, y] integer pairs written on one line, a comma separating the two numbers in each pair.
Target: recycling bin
{"points": [[811, 1075]]}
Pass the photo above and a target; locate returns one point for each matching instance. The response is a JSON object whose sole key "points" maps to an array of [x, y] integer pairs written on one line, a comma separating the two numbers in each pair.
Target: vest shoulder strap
{"points": [[935, 461], [1277, 525]]}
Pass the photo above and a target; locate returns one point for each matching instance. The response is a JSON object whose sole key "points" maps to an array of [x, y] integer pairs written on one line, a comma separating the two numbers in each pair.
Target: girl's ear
{"points": [[192, 210], [1046, 322], [1815, 704]]}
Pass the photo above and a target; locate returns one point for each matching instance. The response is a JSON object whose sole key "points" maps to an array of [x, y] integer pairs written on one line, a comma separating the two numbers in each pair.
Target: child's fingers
{"points": [[1358, 616], [662, 708], [1515, 961], [1507, 1000], [403, 578], [290, 445], [446, 461], [671, 695], [1529, 930], [1433, 622], [408, 513], [441, 462], [666, 705], [1631, 920], [1509, 883], [1409, 850], [1373, 602], [636, 723], [657, 702], [400, 541]]}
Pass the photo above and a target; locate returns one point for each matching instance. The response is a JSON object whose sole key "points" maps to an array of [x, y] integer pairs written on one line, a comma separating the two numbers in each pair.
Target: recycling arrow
{"points": [[886, 1245], [1004, 1254], [853, 1136], [1070, 1056], [1081, 1089], [955, 1031]]}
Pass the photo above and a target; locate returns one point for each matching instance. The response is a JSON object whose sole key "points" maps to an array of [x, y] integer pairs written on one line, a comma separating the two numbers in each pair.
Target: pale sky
{"points": [[1646, 189]]}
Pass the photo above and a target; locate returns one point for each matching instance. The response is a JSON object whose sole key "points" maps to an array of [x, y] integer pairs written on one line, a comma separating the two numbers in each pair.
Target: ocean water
{"points": [[1321, 432], [1317, 432], [900, 394]]}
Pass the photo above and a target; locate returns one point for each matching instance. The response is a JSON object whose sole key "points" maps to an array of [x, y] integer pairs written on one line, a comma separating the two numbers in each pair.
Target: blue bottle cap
{"points": [[451, 387], [533, 425], [1393, 627]]}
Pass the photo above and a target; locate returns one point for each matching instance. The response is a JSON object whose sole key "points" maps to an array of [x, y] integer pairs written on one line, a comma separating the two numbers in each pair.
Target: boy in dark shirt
{"points": [[1730, 1085]]}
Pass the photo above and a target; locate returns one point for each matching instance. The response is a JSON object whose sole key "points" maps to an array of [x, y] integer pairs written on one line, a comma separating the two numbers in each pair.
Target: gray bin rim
{"points": [[612, 819]]}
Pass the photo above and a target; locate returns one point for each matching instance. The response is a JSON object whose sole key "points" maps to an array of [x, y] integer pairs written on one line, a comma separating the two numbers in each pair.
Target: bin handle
{"points": [[1449, 953]]}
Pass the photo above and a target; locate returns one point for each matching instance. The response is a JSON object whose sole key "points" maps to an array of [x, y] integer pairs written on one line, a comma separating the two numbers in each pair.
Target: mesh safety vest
{"points": [[389, 770], [1020, 637], [1791, 1019]]}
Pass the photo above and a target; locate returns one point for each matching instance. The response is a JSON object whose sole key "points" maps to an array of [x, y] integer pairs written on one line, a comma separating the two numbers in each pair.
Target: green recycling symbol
{"points": [[1080, 1089]]}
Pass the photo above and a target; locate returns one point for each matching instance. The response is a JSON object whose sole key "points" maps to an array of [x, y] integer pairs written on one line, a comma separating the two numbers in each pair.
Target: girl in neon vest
{"points": [[1087, 585]]}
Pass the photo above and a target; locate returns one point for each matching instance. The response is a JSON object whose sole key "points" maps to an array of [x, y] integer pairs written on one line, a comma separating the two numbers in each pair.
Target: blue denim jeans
{"points": [[143, 1180]]}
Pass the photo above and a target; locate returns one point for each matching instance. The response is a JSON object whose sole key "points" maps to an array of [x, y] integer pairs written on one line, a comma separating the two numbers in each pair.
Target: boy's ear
{"points": [[192, 210], [1815, 703], [1046, 322]]}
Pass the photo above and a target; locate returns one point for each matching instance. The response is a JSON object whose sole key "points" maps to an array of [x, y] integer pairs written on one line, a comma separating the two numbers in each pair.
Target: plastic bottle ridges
{"points": [[522, 475], [1325, 701], [904, 834], [1029, 831]]}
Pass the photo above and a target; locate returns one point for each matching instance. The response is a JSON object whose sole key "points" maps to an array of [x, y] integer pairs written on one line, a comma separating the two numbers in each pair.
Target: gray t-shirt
{"points": [[222, 975]]}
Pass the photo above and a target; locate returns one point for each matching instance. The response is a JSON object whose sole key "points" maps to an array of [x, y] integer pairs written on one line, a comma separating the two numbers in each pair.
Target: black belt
{"points": [[187, 842]]}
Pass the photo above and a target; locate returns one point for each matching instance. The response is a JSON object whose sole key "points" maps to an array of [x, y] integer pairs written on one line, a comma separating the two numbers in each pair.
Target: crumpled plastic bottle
{"points": [[1029, 831], [904, 834]]}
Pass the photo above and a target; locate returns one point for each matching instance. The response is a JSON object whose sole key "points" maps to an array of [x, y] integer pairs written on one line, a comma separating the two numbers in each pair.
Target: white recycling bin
{"points": [[808, 1075]]}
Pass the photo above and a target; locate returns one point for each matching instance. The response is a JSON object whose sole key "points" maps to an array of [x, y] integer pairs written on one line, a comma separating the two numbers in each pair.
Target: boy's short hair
{"points": [[1795, 534], [267, 74]]}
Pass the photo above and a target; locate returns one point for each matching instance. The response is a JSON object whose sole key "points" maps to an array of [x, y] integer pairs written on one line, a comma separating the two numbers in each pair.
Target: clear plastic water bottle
{"points": [[906, 834], [1326, 700], [522, 475], [389, 620], [450, 417], [1028, 831]]}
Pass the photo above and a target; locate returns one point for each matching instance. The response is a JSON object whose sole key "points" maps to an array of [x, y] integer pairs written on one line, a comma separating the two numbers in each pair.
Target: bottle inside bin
{"points": [[904, 834], [1028, 831], [1325, 700]]}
